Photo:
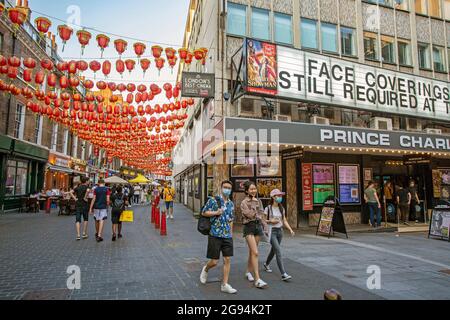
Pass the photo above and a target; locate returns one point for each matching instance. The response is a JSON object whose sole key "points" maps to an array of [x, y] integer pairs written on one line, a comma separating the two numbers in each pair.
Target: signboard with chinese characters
{"points": [[307, 184], [198, 85]]}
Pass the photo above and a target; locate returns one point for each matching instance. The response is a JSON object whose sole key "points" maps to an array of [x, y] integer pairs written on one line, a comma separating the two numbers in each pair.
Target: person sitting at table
{"points": [[34, 195], [49, 193]]}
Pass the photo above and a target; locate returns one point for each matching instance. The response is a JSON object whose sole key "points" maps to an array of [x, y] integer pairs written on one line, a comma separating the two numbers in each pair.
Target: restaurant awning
{"points": [[60, 169]]}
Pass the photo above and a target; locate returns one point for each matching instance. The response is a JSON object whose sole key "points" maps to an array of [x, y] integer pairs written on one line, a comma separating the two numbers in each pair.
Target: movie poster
{"points": [[262, 69]]}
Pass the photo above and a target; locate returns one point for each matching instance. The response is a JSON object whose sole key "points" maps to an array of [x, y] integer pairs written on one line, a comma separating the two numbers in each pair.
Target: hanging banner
{"points": [[198, 85], [307, 187]]}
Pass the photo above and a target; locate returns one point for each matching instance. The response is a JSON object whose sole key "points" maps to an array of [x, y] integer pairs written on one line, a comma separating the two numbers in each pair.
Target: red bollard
{"points": [[48, 206], [153, 213], [163, 224], [157, 219]]}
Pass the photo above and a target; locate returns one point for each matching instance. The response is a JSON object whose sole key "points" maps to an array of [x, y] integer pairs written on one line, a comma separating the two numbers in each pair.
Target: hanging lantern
{"points": [[83, 37], [63, 82], [27, 75], [170, 53], [189, 58], [29, 63], [130, 65], [121, 87], [142, 88], [139, 49], [62, 66], [183, 52], [82, 65], [157, 51], [159, 64], [145, 65], [173, 63], [47, 64], [95, 66], [39, 77], [3, 61], [18, 15], [106, 68], [74, 82], [14, 62], [131, 87], [51, 80], [88, 84], [101, 85], [120, 67], [199, 54], [103, 42], [112, 86], [121, 46], [43, 25], [65, 33]]}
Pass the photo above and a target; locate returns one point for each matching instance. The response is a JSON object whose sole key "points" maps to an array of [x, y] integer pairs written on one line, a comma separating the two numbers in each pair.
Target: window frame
{"points": [[336, 38], [442, 49], [241, 6], [355, 44], [279, 14], [377, 48], [408, 42], [392, 43], [430, 66], [19, 121], [316, 22], [269, 27]]}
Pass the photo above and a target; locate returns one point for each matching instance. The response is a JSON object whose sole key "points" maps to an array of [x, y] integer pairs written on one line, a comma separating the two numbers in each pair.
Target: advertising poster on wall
{"points": [[440, 223], [348, 174], [307, 183], [322, 192], [441, 183], [266, 186], [323, 174], [262, 69], [269, 166], [349, 190], [349, 194]]}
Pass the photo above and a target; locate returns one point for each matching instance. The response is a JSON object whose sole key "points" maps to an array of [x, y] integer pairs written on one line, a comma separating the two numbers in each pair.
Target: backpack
{"points": [[118, 203], [281, 210], [204, 223]]}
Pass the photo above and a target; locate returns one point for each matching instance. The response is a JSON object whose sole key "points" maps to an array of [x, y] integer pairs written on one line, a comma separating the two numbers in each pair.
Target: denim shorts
{"points": [[100, 214], [253, 228], [169, 204]]}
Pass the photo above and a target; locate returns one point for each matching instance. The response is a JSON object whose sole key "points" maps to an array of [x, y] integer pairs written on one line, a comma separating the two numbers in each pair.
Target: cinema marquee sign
{"points": [[305, 76]]}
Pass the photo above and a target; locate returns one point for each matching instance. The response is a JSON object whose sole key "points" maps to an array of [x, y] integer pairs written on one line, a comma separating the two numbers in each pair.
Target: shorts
{"points": [[82, 212], [218, 245], [253, 228], [100, 214], [115, 216], [169, 204]]}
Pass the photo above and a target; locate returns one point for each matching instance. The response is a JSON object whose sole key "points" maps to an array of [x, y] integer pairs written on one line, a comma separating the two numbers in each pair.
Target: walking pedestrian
{"points": [[99, 207], [404, 202], [137, 194], [169, 195], [415, 201], [276, 218], [220, 240], [118, 203], [81, 207], [131, 195], [373, 202], [253, 215]]}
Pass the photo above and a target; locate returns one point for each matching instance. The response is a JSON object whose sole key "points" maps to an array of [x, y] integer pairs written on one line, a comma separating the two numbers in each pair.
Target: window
{"points": [[38, 129], [309, 34], [387, 49], [404, 53], [370, 46], [348, 42], [434, 8], [447, 9], [283, 28], [54, 141], [237, 19], [421, 6], [329, 37], [401, 4], [438, 59], [424, 56], [19, 121], [16, 178], [260, 24]]}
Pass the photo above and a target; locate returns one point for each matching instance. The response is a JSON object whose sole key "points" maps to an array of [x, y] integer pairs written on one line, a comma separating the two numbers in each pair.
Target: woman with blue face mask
{"points": [[276, 218]]}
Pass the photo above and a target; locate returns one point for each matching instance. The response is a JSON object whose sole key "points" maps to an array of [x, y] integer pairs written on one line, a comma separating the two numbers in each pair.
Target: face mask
{"points": [[226, 192], [279, 200]]}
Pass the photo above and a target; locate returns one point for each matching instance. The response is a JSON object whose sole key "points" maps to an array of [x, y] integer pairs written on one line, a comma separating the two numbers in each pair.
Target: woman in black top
{"points": [[118, 203]]}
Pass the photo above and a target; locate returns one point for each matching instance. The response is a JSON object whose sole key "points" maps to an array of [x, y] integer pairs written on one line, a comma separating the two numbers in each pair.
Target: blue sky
{"points": [[158, 21]]}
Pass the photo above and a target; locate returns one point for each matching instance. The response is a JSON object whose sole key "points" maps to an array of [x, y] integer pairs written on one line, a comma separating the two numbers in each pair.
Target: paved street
{"points": [[36, 250]]}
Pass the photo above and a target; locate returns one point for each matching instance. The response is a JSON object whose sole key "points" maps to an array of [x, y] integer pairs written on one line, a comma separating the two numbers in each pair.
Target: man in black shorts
{"points": [[81, 207], [221, 212]]}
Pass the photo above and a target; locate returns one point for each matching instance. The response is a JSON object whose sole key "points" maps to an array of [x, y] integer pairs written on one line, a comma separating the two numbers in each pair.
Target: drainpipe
{"points": [[222, 49]]}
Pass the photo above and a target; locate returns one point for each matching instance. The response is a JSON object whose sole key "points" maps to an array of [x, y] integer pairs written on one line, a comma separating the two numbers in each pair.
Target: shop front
{"points": [[22, 170], [79, 168], [59, 175], [313, 162]]}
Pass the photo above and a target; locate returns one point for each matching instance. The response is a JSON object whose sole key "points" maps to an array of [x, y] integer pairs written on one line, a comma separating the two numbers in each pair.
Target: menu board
{"points": [[323, 174], [322, 192], [326, 221], [349, 189], [440, 223]]}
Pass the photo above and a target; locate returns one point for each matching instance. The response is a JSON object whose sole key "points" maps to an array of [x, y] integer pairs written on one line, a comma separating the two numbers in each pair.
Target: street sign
{"points": [[198, 85]]}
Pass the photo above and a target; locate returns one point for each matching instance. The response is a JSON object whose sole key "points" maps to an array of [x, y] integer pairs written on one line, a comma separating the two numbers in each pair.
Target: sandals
{"points": [[85, 236], [78, 238]]}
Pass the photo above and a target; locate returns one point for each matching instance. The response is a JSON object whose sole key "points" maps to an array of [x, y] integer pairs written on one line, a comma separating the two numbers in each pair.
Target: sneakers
{"points": [[267, 268], [249, 277], [204, 276], [260, 284], [226, 288], [85, 236], [286, 277]]}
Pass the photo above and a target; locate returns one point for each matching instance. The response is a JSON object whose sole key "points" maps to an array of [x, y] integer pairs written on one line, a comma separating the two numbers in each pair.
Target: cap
{"points": [[276, 192]]}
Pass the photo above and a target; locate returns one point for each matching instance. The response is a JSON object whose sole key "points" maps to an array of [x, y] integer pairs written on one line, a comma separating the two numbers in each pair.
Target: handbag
{"points": [[127, 216]]}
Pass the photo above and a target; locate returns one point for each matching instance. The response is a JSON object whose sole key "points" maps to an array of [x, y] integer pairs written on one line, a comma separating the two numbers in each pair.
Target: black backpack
{"points": [[204, 223], [118, 203]]}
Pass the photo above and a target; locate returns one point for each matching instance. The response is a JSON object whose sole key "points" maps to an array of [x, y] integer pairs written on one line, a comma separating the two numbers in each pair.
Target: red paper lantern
{"points": [[18, 15], [112, 86], [120, 66], [103, 42], [157, 51], [29, 63], [28, 75], [14, 62], [83, 37], [95, 66], [121, 46], [183, 52], [88, 84], [131, 87], [130, 65], [82, 65], [159, 64], [62, 66], [74, 82], [170, 53], [106, 68], [63, 82], [51, 80], [101, 85], [65, 33], [43, 25], [47, 64], [173, 63], [145, 65], [3, 61], [189, 58], [139, 49]]}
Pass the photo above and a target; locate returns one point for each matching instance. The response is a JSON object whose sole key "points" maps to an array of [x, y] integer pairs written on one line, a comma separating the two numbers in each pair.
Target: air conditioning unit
{"points": [[433, 131], [396, 123], [247, 108], [381, 124], [334, 116], [280, 117], [320, 120], [413, 125]]}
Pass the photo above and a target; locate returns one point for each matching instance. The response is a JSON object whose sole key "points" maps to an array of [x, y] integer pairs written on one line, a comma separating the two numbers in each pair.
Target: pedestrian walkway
{"points": [[37, 249]]}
